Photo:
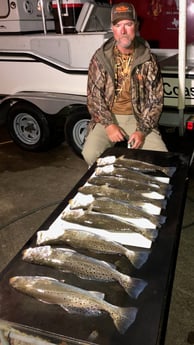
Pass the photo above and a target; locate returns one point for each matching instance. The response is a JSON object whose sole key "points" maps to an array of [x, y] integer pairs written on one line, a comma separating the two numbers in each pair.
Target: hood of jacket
{"points": [[106, 57]]}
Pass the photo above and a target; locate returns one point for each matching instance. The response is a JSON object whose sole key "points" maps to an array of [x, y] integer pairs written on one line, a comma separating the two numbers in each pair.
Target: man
{"points": [[125, 90]]}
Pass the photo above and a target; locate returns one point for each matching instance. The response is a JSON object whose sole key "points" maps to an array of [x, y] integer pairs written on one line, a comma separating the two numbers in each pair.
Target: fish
{"points": [[83, 266], [110, 170], [134, 216], [83, 239], [9, 335], [105, 222], [136, 200], [135, 164], [73, 299], [151, 190]]}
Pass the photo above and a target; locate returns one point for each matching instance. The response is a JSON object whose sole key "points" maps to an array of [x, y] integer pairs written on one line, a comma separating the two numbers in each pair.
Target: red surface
{"points": [[159, 21]]}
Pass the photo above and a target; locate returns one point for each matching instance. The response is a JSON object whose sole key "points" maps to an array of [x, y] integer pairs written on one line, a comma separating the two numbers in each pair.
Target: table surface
{"points": [[153, 303]]}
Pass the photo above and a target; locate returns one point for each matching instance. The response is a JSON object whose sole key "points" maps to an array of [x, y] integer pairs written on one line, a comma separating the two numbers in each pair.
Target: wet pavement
{"points": [[33, 184]]}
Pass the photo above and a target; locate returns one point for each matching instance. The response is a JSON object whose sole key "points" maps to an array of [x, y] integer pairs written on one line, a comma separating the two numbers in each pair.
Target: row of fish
{"points": [[72, 298], [134, 215], [134, 164], [150, 189], [121, 196], [85, 267], [96, 243]]}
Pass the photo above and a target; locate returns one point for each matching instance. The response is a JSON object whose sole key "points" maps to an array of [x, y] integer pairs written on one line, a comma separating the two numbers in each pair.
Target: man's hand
{"points": [[136, 140], [114, 133]]}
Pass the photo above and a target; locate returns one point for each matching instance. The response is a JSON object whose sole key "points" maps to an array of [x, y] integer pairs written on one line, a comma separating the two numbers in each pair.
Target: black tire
{"points": [[76, 128], [28, 127]]}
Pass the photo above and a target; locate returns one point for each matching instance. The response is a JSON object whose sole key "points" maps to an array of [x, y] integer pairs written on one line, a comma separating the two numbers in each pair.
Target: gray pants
{"points": [[97, 141]]}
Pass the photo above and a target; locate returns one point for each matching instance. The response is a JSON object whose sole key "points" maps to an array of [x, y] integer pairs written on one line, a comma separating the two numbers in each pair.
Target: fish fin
{"points": [[109, 264], [138, 258], [67, 309], [97, 294], [122, 157], [43, 301], [123, 318], [133, 286], [72, 310]]}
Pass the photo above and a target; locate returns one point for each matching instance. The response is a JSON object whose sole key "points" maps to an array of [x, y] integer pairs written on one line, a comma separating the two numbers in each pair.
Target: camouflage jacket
{"points": [[146, 86]]}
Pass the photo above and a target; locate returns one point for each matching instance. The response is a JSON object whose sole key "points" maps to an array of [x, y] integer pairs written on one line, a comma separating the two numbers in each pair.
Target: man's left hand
{"points": [[136, 140]]}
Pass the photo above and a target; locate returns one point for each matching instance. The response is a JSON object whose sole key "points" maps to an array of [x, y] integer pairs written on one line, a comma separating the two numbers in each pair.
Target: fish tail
{"points": [[168, 193], [150, 234], [169, 171], [132, 286], [162, 219], [156, 220], [123, 317], [137, 258], [163, 203]]}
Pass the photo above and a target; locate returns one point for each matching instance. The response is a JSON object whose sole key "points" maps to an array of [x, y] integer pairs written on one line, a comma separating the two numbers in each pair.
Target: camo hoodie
{"points": [[146, 86]]}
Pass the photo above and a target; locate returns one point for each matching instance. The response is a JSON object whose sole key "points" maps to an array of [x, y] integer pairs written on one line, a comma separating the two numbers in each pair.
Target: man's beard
{"points": [[124, 45]]}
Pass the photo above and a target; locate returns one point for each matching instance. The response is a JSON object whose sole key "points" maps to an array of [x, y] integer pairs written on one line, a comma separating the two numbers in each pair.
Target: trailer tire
{"points": [[76, 128], [28, 127]]}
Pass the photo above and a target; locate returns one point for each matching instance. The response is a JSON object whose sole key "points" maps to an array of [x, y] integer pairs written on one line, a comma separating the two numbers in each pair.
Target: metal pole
{"points": [[182, 62], [59, 15], [43, 16]]}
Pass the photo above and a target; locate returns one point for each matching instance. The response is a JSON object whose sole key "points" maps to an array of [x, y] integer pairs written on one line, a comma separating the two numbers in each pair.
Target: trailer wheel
{"points": [[28, 127], [76, 127]]}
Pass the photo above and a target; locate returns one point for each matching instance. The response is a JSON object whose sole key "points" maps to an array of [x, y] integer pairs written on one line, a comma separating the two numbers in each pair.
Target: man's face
{"points": [[124, 33]]}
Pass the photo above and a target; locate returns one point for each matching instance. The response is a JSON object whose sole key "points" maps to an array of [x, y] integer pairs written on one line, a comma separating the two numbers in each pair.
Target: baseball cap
{"points": [[123, 11]]}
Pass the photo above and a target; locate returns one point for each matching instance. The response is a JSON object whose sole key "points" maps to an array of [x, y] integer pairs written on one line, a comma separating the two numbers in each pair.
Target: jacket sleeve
{"points": [[97, 100], [149, 92]]}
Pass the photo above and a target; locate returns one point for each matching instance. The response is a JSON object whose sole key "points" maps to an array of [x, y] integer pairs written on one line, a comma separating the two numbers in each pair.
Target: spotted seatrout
{"points": [[127, 173], [105, 222], [73, 299], [142, 200], [150, 189], [82, 239], [83, 266], [135, 164], [135, 216]]}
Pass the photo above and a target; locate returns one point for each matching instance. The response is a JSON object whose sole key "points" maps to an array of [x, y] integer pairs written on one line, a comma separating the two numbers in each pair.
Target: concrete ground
{"points": [[31, 187]]}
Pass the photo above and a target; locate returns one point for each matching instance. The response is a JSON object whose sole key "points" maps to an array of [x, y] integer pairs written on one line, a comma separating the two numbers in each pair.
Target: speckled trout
{"points": [[134, 215], [135, 199], [127, 173], [73, 299], [135, 164], [85, 267], [148, 189], [82, 239], [105, 222]]}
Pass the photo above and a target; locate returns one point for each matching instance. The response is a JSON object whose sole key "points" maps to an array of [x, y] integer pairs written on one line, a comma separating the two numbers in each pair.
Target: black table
{"points": [[153, 303]]}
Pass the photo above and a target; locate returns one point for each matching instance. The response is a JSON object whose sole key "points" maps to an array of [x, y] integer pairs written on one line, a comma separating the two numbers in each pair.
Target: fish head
{"points": [[34, 254], [31, 284], [22, 283]]}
